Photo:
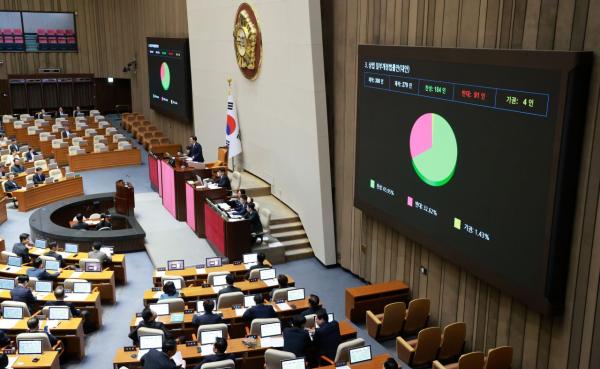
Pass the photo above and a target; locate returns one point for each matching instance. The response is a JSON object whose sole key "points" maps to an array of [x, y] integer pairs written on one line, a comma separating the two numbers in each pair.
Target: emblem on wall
{"points": [[247, 41]]}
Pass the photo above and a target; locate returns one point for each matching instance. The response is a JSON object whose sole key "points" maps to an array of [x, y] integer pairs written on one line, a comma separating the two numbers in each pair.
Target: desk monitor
{"points": [[220, 280], [207, 337], [295, 294], [250, 258], [213, 262], [293, 364], [153, 341], [30, 347], [249, 301], [12, 312], [43, 286], [93, 266], [160, 309], [176, 282], [267, 274], [52, 264], [175, 265], [7, 284], [72, 248], [82, 287], [270, 329], [15, 261], [40, 244], [360, 354], [58, 313], [200, 305]]}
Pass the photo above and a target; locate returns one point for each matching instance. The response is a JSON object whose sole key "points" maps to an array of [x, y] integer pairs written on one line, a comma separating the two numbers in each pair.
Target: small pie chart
{"points": [[165, 76], [433, 149]]}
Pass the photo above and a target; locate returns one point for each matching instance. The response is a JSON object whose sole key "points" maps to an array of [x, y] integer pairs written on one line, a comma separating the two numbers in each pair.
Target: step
{"points": [[284, 227], [294, 244], [289, 235], [276, 221], [303, 253]]}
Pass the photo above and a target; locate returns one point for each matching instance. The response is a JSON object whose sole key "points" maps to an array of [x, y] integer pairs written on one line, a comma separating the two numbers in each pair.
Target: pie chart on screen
{"points": [[165, 76], [433, 149]]}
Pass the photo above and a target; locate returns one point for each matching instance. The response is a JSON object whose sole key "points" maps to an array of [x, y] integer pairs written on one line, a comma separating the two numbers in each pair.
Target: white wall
{"points": [[282, 113]]}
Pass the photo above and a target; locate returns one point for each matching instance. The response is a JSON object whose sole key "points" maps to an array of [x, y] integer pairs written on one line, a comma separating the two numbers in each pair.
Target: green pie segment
{"points": [[435, 163]]}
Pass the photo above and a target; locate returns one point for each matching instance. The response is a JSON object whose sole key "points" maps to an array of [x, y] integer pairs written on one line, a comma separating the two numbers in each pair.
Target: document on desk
{"points": [[200, 271], [206, 350], [160, 274], [216, 289], [271, 341], [157, 294], [284, 306], [8, 323], [178, 359], [271, 282], [240, 312], [65, 254], [224, 206], [249, 265], [75, 275], [77, 297], [40, 295], [51, 324], [12, 269]]}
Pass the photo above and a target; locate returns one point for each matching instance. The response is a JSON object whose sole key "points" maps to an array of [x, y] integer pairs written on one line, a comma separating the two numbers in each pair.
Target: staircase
{"points": [[290, 235]]}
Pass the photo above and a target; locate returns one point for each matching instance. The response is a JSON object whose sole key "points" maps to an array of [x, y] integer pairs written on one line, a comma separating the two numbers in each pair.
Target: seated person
{"points": [[33, 326], [255, 224], [240, 209], [13, 148], [155, 359], [234, 198], [222, 179], [148, 321], [104, 222], [208, 317], [295, 338], [30, 154], [4, 360], [315, 305], [95, 253], [260, 310], [283, 282], [38, 271], [169, 291], [230, 279], [22, 247], [39, 177], [80, 224], [17, 167], [390, 363], [21, 292], [327, 337], [10, 185], [53, 252], [260, 263], [3, 170], [59, 294], [219, 348]]}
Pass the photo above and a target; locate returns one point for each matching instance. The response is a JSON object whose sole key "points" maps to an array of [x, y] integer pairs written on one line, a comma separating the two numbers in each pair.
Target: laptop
{"points": [[93, 266], [154, 341], [43, 286], [200, 305], [52, 264], [220, 280], [209, 337], [12, 312], [295, 294], [293, 364], [175, 265], [82, 287], [160, 309], [41, 244], [72, 248], [213, 262], [269, 277], [249, 301], [58, 313], [250, 258], [7, 284], [360, 354], [30, 347], [270, 335], [176, 282], [15, 261]]}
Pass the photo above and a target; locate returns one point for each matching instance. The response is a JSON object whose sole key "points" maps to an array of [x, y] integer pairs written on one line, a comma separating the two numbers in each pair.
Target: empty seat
{"points": [[417, 316], [124, 145], [499, 358], [213, 327], [472, 360], [422, 350], [387, 324], [227, 300], [176, 305], [22, 305], [273, 358], [41, 164], [453, 341], [74, 150], [256, 323], [343, 351], [56, 174], [221, 364]]}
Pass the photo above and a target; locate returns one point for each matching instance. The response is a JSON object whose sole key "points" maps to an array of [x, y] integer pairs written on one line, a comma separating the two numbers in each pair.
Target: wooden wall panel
{"points": [[110, 34], [376, 252]]}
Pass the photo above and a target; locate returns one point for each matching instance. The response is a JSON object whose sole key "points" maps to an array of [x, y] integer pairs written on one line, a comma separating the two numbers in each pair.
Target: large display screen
{"points": [[38, 32], [475, 154], [169, 77]]}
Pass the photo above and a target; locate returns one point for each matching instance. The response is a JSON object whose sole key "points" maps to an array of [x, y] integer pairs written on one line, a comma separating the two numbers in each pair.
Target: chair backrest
{"points": [[255, 273], [116, 137], [211, 276], [29, 178], [393, 318], [227, 300], [57, 143], [221, 364], [39, 336], [32, 130], [273, 358], [56, 173], [110, 131], [99, 147], [176, 305], [281, 293], [428, 343], [69, 282], [417, 315], [73, 150], [124, 145], [20, 304], [213, 327], [310, 321], [41, 163], [145, 331], [86, 260], [236, 181], [499, 358], [256, 323], [90, 132], [46, 312], [265, 219], [98, 138], [5, 254], [172, 278], [453, 341], [472, 360], [343, 350]]}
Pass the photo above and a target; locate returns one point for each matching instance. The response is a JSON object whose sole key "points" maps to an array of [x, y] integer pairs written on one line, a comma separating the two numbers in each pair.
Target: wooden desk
{"points": [[3, 214], [198, 276], [97, 160], [70, 332], [196, 293], [375, 363], [227, 237], [47, 360], [195, 197], [373, 297], [48, 193], [21, 179], [165, 148]]}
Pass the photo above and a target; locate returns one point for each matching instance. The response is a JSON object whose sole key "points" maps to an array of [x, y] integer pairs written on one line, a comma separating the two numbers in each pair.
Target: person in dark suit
{"points": [[390, 363], [315, 306], [10, 184], [60, 112], [260, 263], [240, 206], [39, 177], [327, 337], [66, 133], [155, 359], [23, 293], [13, 148], [230, 279], [17, 167], [38, 271], [255, 224], [59, 294], [283, 282], [30, 154], [33, 325], [3, 359], [195, 150], [104, 222], [96, 253], [260, 310], [219, 349], [148, 321], [22, 247], [295, 338], [223, 180], [80, 223], [208, 317], [40, 114], [53, 247], [77, 112]]}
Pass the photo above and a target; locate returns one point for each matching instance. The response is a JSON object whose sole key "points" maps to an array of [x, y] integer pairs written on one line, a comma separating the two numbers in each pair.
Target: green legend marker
{"points": [[372, 183]]}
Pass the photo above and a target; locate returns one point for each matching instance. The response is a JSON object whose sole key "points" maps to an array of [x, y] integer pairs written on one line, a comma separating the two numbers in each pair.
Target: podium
{"points": [[124, 197]]}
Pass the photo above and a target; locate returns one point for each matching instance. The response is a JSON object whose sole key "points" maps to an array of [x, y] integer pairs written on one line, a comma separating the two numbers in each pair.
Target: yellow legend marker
{"points": [[457, 223]]}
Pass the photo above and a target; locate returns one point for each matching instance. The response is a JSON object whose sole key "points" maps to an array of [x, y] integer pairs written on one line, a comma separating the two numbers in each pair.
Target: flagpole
{"points": [[229, 79]]}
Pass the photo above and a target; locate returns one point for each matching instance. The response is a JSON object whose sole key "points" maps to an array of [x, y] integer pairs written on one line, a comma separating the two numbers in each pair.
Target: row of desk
{"points": [[48, 193]]}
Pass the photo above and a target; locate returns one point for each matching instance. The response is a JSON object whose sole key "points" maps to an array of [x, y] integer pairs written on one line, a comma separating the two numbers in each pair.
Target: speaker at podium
{"points": [[124, 197]]}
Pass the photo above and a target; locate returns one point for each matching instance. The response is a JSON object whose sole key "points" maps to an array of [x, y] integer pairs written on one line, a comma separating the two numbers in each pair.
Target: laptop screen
{"points": [[213, 262], [295, 294], [93, 266], [82, 287], [267, 274], [293, 364], [40, 244], [207, 337], [250, 258], [52, 264], [43, 286], [72, 248], [7, 284], [220, 280], [249, 301], [160, 309], [30, 347], [14, 261], [270, 329], [154, 341], [12, 312], [176, 282], [58, 313], [175, 265], [360, 354]]}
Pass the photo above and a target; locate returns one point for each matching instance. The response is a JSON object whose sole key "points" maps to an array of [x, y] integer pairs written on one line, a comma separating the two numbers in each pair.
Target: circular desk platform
{"points": [[51, 223]]}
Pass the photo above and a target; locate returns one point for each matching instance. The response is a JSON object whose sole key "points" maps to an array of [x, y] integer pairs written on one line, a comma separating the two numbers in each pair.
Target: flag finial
{"points": [[229, 79]]}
